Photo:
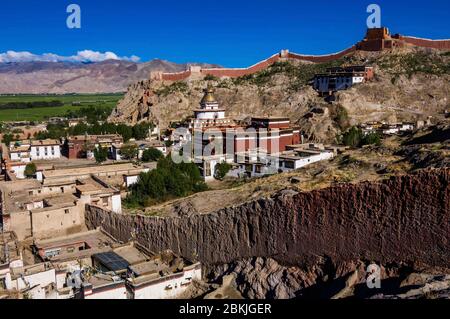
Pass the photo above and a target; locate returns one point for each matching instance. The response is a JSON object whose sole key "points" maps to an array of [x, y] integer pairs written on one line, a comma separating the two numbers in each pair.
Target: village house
{"points": [[341, 78], [259, 164], [122, 175], [82, 146], [40, 210], [16, 157], [93, 265], [383, 128]]}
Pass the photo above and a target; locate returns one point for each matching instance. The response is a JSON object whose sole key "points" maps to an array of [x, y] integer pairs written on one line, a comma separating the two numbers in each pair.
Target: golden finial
{"points": [[209, 94]]}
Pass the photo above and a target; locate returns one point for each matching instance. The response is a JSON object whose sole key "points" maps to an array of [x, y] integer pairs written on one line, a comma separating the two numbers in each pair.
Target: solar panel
{"points": [[112, 261]]}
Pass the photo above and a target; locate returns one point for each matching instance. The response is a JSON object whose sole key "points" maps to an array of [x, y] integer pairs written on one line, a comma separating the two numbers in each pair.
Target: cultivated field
{"points": [[72, 102]]}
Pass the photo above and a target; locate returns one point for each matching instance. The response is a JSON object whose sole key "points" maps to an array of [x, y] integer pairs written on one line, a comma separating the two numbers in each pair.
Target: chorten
{"points": [[210, 113]]}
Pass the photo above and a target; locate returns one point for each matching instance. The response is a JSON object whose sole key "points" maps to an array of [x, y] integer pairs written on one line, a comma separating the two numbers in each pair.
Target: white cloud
{"points": [[81, 56]]}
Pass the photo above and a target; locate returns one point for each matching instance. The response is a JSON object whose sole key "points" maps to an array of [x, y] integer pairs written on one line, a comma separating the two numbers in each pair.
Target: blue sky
{"points": [[231, 32]]}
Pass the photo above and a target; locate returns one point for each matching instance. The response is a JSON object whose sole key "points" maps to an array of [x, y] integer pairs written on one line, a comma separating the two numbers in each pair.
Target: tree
{"points": [[141, 131], [100, 154], [168, 180], [353, 137], [88, 147], [152, 155], [7, 139], [126, 132], [30, 170], [129, 151], [222, 170]]}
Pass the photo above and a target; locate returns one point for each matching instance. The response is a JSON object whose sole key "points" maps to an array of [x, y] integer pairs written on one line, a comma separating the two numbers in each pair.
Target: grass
{"points": [[413, 63], [300, 75], [40, 114], [172, 88]]}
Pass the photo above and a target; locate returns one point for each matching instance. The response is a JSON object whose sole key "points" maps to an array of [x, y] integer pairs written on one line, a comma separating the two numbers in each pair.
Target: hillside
{"points": [[410, 84], [109, 76]]}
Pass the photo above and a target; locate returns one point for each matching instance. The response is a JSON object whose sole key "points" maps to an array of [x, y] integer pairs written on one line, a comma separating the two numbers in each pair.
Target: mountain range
{"points": [[109, 76]]}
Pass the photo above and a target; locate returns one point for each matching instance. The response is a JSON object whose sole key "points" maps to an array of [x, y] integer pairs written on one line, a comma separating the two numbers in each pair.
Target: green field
{"points": [[40, 114]]}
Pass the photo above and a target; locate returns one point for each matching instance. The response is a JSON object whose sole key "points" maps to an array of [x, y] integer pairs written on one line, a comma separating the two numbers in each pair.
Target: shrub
{"points": [[354, 137], [222, 170], [210, 77], [340, 116], [371, 139]]}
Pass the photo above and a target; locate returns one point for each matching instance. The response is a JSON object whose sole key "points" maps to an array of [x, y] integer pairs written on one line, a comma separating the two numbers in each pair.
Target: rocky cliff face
{"points": [[404, 219]]}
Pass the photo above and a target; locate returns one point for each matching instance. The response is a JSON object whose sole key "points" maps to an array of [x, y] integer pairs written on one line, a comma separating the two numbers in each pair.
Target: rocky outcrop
{"points": [[404, 219]]}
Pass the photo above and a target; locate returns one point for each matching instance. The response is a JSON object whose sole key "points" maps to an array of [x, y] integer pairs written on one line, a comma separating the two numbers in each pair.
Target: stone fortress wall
{"points": [[376, 40]]}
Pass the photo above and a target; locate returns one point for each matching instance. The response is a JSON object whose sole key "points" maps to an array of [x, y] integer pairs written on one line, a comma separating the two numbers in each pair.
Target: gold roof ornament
{"points": [[209, 95]]}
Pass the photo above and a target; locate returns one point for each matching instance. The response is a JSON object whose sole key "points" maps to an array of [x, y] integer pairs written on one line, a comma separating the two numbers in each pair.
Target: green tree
{"points": [[141, 131], [129, 151], [100, 154], [30, 170], [152, 155], [168, 180], [7, 139], [352, 137], [126, 132]]}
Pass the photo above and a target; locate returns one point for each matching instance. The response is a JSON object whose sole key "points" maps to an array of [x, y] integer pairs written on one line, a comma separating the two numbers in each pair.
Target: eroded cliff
{"points": [[403, 219]]}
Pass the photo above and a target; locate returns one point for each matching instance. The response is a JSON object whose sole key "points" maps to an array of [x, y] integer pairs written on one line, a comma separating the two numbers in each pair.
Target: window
{"points": [[67, 211], [105, 200], [30, 193], [52, 253], [289, 164], [207, 169]]}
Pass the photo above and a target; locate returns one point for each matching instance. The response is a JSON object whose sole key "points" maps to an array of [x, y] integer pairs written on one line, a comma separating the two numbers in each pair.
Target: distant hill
{"points": [[67, 77]]}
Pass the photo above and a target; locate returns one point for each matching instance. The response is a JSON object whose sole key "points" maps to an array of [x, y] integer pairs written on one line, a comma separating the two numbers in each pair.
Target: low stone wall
{"points": [[322, 58], [404, 219], [426, 43]]}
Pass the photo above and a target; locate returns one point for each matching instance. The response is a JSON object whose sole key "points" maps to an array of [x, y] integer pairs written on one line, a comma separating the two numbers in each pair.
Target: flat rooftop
{"points": [[94, 169], [15, 194], [91, 186], [131, 254], [80, 245], [15, 198]]}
